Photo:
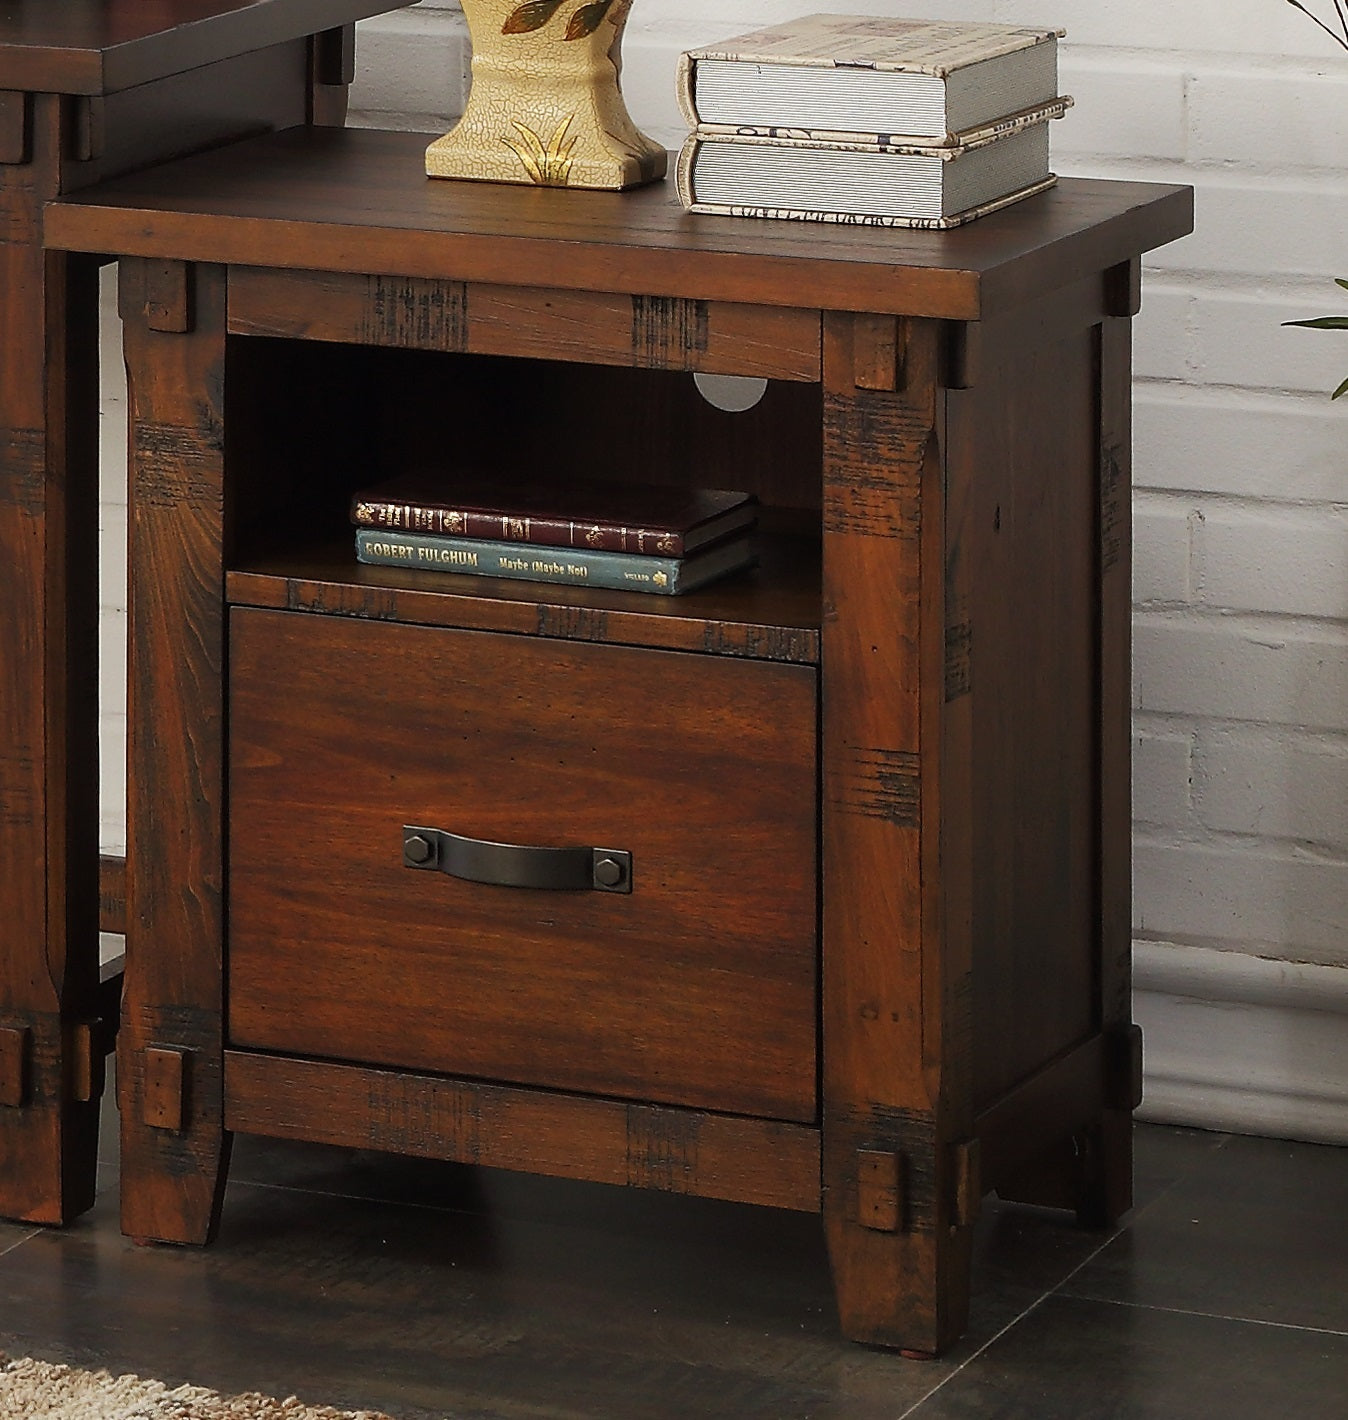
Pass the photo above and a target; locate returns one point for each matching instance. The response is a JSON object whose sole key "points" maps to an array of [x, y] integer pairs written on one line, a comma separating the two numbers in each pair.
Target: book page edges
{"points": [[949, 145], [847, 219]]}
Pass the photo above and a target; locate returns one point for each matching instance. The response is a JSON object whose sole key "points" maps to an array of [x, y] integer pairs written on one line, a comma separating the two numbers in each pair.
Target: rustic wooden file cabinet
{"points": [[869, 953]]}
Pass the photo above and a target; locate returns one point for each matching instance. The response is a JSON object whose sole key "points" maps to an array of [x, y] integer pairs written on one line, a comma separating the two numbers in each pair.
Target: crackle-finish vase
{"points": [[546, 105]]}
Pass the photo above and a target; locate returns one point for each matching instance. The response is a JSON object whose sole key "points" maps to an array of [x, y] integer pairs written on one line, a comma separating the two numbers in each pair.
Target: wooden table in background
{"points": [[875, 957], [89, 89]]}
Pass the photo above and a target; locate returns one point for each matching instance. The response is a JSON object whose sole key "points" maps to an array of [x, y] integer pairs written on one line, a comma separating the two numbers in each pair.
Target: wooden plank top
{"points": [[102, 46], [359, 201]]}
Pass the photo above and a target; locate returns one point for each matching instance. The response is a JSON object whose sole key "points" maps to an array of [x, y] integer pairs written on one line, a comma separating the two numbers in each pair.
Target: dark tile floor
{"points": [[429, 1290]]}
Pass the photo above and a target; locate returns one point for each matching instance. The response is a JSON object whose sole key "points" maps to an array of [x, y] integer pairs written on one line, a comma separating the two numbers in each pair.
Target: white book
{"points": [[868, 74], [880, 185]]}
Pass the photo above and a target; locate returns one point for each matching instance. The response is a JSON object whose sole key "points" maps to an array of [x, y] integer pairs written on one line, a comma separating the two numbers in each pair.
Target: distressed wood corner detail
{"points": [[967, 1172], [1114, 493], [573, 623], [669, 330], [16, 128], [335, 56], [661, 1149], [878, 352], [1123, 288], [884, 784], [174, 466], [164, 1088], [880, 1190], [1123, 1062], [963, 353], [89, 130], [875, 448], [24, 486], [168, 297], [14, 1052], [416, 312], [85, 1063], [959, 659]]}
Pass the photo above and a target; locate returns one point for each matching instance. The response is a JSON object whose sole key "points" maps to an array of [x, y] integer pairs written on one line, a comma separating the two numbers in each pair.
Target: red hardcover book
{"points": [[612, 517]]}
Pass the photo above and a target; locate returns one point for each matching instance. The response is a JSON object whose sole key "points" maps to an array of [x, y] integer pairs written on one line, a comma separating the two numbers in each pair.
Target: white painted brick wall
{"points": [[1264, 670], [1162, 758], [1162, 541], [1268, 785], [1241, 518]]}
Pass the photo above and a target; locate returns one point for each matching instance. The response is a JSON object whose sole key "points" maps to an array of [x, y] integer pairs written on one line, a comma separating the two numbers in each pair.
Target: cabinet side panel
{"points": [[1024, 439], [183, 113]]}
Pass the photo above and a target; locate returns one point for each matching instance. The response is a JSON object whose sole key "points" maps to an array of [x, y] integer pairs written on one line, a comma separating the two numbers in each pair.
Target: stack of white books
{"points": [[868, 120]]}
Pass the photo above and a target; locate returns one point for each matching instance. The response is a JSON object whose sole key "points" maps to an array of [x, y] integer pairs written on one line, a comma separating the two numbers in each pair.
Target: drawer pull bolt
{"points": [[417, 850], [609, 872]]}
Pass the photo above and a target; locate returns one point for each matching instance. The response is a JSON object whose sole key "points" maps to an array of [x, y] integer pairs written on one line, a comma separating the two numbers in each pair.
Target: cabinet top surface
{"points": [[102, 46], [359, 201]]}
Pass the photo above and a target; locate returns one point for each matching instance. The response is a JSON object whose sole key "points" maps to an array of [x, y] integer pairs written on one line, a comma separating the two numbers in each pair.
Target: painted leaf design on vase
{"points": [[587, 19], [548, 165], [530, 16]]}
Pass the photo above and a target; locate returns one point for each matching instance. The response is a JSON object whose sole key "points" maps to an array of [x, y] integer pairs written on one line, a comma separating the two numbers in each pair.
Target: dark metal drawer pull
{"points": [[515, 864]]}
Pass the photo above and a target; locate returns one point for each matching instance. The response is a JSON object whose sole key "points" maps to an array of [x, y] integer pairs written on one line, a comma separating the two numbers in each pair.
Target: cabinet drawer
{"points": [[697, 987]]}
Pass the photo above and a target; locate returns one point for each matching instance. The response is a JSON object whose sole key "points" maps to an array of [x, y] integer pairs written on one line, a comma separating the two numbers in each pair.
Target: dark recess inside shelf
{"points": [[310, 423]]}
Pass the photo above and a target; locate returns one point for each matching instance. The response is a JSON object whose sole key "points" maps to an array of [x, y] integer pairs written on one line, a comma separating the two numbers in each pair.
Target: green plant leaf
{"points": [[1342, 389], [1322, 323], [1339, 281], [532, 15]]}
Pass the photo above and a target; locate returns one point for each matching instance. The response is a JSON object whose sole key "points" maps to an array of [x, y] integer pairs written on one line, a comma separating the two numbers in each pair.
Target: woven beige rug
{"points": [[35, 1390]]}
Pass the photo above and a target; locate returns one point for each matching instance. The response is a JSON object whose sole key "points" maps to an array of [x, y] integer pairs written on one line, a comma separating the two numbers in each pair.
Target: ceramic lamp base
{"points": [[546, 107]]}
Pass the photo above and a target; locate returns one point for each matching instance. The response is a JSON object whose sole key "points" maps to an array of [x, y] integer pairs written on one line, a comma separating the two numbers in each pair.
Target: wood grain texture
{"points": [[332, 68], [101, 46], [771, 613], [16, 118], [565, 1136], [643, 331], [14, 1049], [182, 113], [1110, 1191], [48, 710], [112, 893], [892, 1001], [1025, 448], [1069, 1092], [356, 201], [164, 1088], [698, 988], [175, 779], [249, 69]]}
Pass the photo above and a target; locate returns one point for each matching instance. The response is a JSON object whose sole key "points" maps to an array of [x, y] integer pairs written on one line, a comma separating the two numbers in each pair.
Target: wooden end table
{"points": [[89, 89], [875, 956]]}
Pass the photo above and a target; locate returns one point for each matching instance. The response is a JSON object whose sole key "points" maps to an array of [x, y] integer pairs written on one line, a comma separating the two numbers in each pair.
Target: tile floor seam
{"points": [[18, 1243], [1014, 1322], [1209, 1316]]}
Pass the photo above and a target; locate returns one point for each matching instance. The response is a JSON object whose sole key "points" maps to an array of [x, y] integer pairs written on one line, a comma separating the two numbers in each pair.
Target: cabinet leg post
{"points": [[175, 1150], [1105, 1188], [900, 1275], [48, 690], [171, 1044]]}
